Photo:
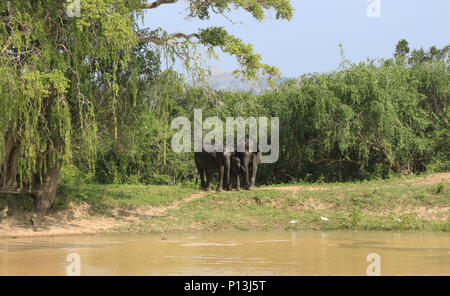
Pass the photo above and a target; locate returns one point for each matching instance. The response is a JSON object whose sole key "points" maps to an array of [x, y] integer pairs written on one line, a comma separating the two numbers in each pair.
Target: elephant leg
{"points": [[246, 163], [201, 173], [255, 161], [254, 169], [227, 172], [221, 173], [208, 180], [238, 182]]}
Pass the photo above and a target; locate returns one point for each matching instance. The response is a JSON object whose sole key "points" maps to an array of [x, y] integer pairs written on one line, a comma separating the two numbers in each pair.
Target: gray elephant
{"points": [[236, 171], [249, 160], [208, 163]]}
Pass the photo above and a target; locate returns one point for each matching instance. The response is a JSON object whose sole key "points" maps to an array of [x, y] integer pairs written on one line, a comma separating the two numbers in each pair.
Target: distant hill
{"points": [[227, 81]]}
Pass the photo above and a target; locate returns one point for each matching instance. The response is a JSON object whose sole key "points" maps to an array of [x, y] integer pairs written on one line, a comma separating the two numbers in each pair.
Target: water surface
{"points": [[231, 253]]}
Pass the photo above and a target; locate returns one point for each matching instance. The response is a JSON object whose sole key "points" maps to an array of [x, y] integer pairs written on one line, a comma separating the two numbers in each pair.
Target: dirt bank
{"points": [[78, 218]]}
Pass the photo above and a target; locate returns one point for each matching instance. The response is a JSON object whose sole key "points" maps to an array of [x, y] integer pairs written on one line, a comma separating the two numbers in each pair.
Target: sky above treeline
{"points": [[309, 42]]}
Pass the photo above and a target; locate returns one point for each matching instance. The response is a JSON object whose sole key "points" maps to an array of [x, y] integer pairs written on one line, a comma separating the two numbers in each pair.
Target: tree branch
{"points": [[158, 3], [166, 40], [182, 35]]}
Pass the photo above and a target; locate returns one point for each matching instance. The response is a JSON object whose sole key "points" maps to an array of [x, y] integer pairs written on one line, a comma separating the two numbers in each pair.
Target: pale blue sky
{"points": [[309, 43]]}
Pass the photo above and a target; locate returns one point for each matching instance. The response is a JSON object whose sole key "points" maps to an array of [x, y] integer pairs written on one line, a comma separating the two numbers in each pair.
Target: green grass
{"points": [[101, 198], [398, 204], [394, 205]]}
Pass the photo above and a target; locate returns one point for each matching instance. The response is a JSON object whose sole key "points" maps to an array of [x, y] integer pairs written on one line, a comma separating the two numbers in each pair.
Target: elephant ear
{"points": [[217, 155], [258, 154], [258, 151], [247, 146], [212, 150]]}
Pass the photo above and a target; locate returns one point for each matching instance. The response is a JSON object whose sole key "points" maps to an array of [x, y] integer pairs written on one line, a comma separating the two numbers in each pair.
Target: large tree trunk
{"points": [[44, 192], [43, 187], [8, 177]]}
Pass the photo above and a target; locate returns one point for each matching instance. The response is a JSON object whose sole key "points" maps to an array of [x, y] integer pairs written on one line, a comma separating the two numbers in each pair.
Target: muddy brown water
{"points": [[231, 253]]}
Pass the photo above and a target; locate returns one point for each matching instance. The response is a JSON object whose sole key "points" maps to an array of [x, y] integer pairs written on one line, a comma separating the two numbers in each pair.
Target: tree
{"points": [[420, 56], [401, 51], [402, 48], [60, 72], [181, 45]]}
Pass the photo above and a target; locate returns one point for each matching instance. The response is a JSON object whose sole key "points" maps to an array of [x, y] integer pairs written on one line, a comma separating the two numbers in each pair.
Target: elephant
{"points": [[208, 163], [236, 171], [249, 160]]}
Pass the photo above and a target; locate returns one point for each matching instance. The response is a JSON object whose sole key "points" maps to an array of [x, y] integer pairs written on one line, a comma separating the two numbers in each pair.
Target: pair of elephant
{"points": [[230, 164]]}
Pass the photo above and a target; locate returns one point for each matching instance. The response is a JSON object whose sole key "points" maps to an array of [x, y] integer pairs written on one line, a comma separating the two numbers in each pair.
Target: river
{"points": [[230, 253]]}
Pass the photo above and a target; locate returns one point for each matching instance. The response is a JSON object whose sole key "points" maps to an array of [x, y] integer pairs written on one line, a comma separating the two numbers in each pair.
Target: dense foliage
{"points": [[362, 121], [55, 69]]}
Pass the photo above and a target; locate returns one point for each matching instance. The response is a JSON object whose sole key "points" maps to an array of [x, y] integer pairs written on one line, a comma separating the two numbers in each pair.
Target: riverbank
{"points": [[411, 203]]}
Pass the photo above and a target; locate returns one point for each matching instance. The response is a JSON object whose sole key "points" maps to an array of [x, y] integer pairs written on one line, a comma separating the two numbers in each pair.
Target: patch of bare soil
{"points": [[431, 213], [434, 212], [79, 221], [296, 188], [433, 179], [421, 211]]}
